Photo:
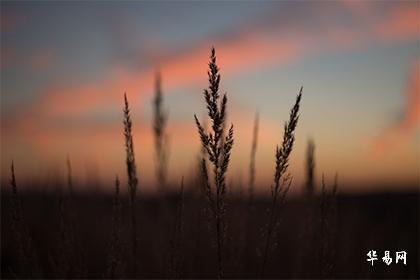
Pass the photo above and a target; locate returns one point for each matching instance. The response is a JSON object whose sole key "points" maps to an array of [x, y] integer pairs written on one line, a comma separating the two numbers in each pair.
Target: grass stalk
{"points": [[69, 177], [176, 257], [132, 181], [328, 207], [218, 148], [159, 129], [27, 264], [310, 168], [282, 159], [252, 158], [115, 265]]}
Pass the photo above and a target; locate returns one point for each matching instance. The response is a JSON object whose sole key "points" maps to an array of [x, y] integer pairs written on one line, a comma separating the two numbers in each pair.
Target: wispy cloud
{"points": [[389, 21], [399, 132], [247, 50]]}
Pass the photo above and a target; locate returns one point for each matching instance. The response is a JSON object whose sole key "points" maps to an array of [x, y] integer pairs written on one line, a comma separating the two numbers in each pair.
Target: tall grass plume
{"points": [[281, 182], [310, 168], [115, 266], [132, 181], [161, 138], [252, 158], [218, 148], [27, 261]]}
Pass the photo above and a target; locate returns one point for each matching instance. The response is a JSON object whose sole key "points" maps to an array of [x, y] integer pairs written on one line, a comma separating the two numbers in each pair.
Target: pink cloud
{"points": [[250, 50], [235, 56], [398, 133], [388, 21], [402, 23]]}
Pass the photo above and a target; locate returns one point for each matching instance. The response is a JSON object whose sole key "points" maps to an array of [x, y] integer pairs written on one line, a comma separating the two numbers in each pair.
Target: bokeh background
{"points": [[65, 67]]}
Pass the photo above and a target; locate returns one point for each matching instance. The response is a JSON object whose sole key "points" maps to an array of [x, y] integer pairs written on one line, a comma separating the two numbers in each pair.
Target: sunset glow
{"points": [[65, 67]]}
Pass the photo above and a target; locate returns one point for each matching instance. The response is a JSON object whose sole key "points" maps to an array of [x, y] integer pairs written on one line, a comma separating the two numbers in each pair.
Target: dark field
{"points": [[308, 243]]}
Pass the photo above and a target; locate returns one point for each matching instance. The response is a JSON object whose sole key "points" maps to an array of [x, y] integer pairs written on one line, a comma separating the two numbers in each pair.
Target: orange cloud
{"points": [[397, 133], [412, 113], [401, 23], [392, 22], [249, 50], [60, 120], [235, 56]]}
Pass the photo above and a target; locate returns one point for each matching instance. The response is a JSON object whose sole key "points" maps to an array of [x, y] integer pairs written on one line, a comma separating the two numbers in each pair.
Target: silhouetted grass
{"points": [[328, 225], [364, 222], [310, 167], [252, 159], [281, 182], [161, 138], [27, 261], [132, 182], [218, 150], [115, 264], [177, 255]]}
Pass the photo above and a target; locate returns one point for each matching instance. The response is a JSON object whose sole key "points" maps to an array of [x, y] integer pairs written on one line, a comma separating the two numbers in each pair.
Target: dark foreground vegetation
{"points": [[75, 237]]}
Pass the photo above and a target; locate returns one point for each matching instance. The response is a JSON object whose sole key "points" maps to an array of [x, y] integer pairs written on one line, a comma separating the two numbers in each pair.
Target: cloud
{"points": [[401, 24], [391, 22], [400, 131], [247, 48], [65, 111], [243, 55]]}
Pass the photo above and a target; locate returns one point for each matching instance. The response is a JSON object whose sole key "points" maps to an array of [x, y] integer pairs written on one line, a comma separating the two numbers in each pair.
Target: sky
{"points": [[66, 65]]}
